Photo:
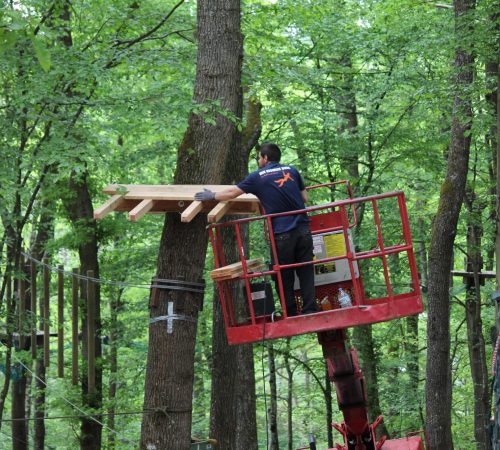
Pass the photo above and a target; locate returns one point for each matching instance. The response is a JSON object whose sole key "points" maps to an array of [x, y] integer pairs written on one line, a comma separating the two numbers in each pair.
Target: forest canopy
{"points": [[378, 92]]}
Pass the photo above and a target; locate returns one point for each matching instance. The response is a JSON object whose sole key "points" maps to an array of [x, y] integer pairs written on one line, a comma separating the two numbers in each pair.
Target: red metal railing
{"points": [[340, 216]]}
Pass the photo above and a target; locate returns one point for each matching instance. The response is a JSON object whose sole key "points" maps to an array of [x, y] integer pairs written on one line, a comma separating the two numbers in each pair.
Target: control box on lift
{"points": [[331, 245]]}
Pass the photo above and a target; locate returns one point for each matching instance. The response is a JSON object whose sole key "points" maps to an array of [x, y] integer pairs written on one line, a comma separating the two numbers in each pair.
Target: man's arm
{"points": [[304, 196], [226, 194]]}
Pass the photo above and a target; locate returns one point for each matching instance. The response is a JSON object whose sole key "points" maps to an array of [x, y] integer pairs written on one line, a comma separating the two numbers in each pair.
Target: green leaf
{"points": [[42, 53]]}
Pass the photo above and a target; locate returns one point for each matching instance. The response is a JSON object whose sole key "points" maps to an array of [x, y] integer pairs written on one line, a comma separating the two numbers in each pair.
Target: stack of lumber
{"points": [[235, 270]]}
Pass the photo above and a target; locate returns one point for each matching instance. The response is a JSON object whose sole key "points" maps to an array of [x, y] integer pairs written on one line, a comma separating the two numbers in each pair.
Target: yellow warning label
{"points": [[335, 245]]}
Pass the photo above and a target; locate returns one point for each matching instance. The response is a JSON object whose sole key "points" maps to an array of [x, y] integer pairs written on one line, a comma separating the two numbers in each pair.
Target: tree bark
{"points": [[18, 393], [232, 412], [475, 341], [289, 383], [363, 339], [201, 159], [115, 332], [438, 387], [273, 399], [79, 206]]}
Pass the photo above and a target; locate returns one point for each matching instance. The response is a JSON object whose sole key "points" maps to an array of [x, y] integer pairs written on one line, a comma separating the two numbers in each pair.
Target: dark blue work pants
{"points": [[292, 247]]}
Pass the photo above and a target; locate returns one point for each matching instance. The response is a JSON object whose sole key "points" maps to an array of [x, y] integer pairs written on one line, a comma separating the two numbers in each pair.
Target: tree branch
{"points": [[143, 37]]}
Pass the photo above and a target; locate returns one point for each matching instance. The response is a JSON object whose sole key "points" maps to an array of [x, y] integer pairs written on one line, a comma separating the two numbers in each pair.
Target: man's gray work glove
{"points": [[204, 196]]}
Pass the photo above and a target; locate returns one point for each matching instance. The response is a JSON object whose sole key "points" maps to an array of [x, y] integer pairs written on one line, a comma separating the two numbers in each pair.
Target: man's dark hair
{"points": [[272, 151]]}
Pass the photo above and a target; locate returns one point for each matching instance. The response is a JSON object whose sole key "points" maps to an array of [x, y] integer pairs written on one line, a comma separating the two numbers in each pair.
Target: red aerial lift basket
{"points": [[362, 245]]}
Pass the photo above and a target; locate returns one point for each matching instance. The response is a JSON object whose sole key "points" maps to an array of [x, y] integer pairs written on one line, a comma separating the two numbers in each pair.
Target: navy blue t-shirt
{"points": [[278, 187]]}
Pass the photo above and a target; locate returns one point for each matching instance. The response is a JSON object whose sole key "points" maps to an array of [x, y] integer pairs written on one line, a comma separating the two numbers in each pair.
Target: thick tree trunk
{"points": [[438, 387], [232, 412], [19, 424], [201, 160]]}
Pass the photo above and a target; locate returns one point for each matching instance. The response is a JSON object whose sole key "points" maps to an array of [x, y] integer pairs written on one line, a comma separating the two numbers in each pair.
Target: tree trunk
{"points": [[232, 412], [115, 332], [18, 393], [363, 339], [201, 160], [39, 425], [329, 409], [476, 345], [273, 399], [438, 387], [79, 206], [289, 373]]}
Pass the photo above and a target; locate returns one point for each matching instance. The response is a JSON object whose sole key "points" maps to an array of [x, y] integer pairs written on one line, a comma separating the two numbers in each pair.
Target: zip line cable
{"points": [[30, 419], [182, 285], [69, 402]]}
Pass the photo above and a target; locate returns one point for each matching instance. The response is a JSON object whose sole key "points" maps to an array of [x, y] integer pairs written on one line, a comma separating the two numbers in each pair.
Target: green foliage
{"points": [[113, 106]]}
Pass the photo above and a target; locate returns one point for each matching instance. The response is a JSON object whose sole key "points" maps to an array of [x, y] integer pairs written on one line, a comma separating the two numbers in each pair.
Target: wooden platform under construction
{"points": [[140, 199]]}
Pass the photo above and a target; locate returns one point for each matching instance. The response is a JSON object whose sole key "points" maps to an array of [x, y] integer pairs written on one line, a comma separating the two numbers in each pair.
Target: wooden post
{"points": [[46, 312], [74, 327], [91, 332], [60, 321], [33, 309]]}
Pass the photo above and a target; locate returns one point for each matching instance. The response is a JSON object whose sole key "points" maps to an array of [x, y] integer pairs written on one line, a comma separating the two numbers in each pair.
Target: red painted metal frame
{"points": [[365, 311]]}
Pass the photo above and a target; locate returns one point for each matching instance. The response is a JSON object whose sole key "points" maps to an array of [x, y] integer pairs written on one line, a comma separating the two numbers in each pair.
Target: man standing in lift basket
{"points": [[280, 188]]}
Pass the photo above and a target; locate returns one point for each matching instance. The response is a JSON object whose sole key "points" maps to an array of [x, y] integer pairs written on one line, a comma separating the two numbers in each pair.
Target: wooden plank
{"points": [[218, 212], [191, 211], [171, 198], [110, 205], [464, 273], [141, 209], [170, 192], [235, 270]]}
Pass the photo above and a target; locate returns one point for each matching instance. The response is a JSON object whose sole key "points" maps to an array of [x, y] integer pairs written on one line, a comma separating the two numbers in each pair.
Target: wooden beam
{"points": [[110, 205], [465, 274], [218, 212], [191, 211], [141, 209]]}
